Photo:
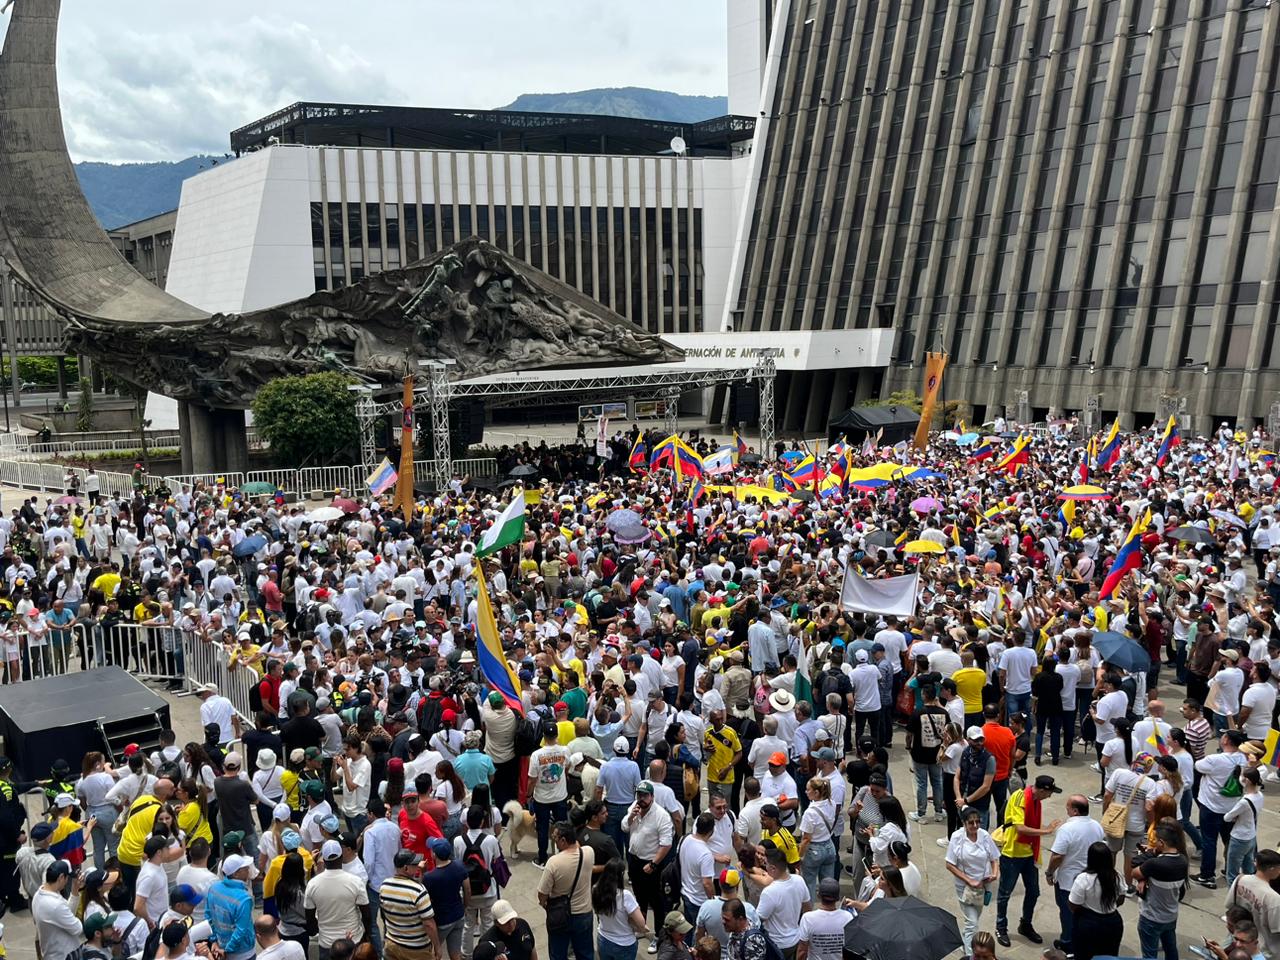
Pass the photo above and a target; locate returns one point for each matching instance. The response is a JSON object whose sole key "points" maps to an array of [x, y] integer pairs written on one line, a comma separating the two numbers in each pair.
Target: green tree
{"points": [[944, 414], [84, 414], [307, 419]]}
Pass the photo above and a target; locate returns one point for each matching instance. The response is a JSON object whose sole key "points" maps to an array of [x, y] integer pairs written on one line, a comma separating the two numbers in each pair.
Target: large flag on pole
{"points": [[1110, 451], [1172, 437], [506, 530], [492, 661], [404, 481], [1017, 456], [934, 365], [382, 479], [1129, 557]]}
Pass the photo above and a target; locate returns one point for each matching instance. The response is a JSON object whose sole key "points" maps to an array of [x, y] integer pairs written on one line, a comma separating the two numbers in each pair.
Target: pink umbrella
{"points": [[67, 500], [926, 505]]}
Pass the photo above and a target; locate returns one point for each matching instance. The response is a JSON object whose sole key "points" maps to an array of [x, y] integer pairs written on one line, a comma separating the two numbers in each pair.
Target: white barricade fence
{"points": [[328, 479], [226, 479], [208, 661], [282, 479], [73, 447], [476, 467], [147, 652]]}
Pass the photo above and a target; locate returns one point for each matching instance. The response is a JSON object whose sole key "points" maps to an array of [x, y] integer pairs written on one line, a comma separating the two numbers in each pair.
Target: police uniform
{"points": [[12, 817]]}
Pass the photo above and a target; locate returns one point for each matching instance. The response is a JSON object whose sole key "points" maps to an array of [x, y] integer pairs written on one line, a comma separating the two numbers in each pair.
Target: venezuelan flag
{"points": [[1129, 557], [663, 451], [696, 492], [1110, 451], [1172, 437], [687, 461], [638, 461], [802, 473], [1082, 471], [1266, 458], [1017, 455], [489, 654]]}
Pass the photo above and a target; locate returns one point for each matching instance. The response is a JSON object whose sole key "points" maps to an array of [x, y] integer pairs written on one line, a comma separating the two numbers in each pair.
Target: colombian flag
{"points": [[489, 654], [1067, 515], [67, 841], [1017, 456], [802, 475], [696, 492], [1129, 557], [1110, 452], [1172, 437], [638, 461], [1082, 471]]}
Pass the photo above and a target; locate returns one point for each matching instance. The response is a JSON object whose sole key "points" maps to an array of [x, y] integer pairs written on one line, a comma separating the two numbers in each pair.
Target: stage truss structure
{"points": [[434, 391]]}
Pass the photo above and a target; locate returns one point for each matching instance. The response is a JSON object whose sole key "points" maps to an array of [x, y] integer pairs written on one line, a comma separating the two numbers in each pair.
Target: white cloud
{"points": [[155, 80]]}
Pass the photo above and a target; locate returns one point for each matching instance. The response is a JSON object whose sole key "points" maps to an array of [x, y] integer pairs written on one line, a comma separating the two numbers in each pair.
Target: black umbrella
{"points": [[1123, 652], [1192, 534], [902, 928], [751, 459], [804, 496], [523, 470], [882, 538]]}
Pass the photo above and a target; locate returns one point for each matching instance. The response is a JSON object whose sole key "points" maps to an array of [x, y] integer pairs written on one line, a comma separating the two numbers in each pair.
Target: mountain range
{"points": [[122, 193]]}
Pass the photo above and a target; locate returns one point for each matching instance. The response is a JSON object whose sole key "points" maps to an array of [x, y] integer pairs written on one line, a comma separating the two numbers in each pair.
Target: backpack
{"points": [[478, 872], [669, 877], [152, 945], [255, 697], [430, 716], [528, 736], [829, 684]]}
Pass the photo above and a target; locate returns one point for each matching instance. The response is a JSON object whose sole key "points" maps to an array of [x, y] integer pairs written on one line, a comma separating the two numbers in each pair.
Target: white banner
{"points": [[602, 436], [896, 595]]}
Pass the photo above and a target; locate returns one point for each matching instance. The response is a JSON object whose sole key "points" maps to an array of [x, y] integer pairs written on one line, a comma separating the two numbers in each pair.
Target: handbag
{"points": [[1233, 787], [501, 870], [560, 909], [1116, 817], [692, 784]]}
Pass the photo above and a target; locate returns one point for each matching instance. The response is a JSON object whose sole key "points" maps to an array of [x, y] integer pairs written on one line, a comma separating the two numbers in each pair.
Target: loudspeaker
{"points": [[744, 404], [467, 421]]}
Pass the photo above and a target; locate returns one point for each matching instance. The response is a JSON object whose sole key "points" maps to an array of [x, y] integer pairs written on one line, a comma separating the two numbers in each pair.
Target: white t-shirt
{"points": [[818, 821], [201, 878], [823, 931], [1072, 841], [1018, 664], [781, 903], [1243, 820], [1261, 700], [550, 764], [355, 802], [1111, 707], [895, 644], [616, 927], [336, 896], [696, 863], [1086, 892], [153, 887]]}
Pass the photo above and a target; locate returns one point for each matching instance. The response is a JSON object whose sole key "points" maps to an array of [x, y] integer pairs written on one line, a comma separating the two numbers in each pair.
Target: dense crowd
{"points": [[698, 746]]}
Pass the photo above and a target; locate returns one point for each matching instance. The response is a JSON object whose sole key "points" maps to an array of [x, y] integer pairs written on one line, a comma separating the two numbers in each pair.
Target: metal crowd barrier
{"points": [[99, 446], [147, 652], [207, 661], [328, 479]]}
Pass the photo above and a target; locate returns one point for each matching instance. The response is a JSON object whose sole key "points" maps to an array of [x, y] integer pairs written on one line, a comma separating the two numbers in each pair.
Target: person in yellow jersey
{"points": [[108, 583], [969, 681], [721, 749], [140, 819], [78, 531]]}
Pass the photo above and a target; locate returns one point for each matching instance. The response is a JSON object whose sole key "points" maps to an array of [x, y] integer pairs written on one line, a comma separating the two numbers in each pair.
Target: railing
{"points": [[207, 661], [147, 652], [60, 448], [328, 479]]}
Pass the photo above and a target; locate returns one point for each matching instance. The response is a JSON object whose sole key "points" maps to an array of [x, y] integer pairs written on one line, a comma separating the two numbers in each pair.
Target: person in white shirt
{"points": [[1143, 738], [1225, 688], [865, 680], [1016, 666], [1257, 703], [697, 867], [822, 929], [782, 902], [270, 945], [1068, 855], [215, 708]]}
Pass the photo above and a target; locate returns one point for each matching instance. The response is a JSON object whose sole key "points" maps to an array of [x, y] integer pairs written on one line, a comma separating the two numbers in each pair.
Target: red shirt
{"points": [[1000, 743], [415, 833], [272, 598], [269, 689]]}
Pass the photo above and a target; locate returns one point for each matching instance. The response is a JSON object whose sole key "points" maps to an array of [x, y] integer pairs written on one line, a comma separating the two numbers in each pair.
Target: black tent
{"points": [[898, 422]]}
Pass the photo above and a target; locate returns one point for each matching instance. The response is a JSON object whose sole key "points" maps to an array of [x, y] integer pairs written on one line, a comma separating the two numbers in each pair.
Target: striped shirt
{"points": [[405, 905], [1198, 732]]}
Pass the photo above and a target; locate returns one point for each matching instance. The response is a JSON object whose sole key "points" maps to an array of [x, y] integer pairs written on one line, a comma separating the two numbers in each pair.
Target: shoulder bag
{"points": [[560, 909], [1116, 817]]}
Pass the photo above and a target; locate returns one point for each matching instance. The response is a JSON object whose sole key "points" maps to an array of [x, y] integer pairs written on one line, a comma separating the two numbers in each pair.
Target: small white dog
{"points": [[520, 824]]}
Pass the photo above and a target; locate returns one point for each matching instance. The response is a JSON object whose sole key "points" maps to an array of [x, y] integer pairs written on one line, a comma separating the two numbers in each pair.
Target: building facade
{"points": [[1073, 198], [147, 244]]}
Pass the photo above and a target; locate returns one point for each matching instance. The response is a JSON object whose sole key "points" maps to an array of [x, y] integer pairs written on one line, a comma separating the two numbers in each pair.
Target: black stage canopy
{"points": [[899, 423]]}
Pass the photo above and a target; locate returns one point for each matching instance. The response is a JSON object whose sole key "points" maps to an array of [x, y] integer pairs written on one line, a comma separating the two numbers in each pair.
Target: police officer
{"points": [[60, 781], [12, 816]]}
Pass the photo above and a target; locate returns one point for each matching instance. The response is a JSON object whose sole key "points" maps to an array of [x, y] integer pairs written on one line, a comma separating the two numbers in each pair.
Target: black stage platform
{"points": [[68, 716]]}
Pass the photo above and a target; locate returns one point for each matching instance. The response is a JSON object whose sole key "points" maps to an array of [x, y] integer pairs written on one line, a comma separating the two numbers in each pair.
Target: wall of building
{"points": [[1071, 197], [747, 37]]}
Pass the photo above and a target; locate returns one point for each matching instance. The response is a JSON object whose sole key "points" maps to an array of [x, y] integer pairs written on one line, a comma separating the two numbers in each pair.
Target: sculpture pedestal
{"points": [[213, 441]]}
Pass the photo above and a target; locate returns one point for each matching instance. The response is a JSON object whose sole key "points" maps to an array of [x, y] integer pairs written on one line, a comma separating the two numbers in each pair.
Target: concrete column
{"points": [[62, 378], [10, 331], [233, 439], [184, 431], [202, 440]]}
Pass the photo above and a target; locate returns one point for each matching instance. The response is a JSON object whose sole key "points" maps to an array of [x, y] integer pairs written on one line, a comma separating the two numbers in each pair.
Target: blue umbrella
{"points": [[1121, 651], [967, 439], [249, 546]]}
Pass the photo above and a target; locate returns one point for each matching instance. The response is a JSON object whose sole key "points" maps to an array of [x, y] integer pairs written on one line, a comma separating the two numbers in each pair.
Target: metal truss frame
{"points": [[435, 391]]}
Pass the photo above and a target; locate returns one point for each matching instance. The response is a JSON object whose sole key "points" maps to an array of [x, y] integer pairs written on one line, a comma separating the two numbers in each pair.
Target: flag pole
{"points": [[404, 482]]}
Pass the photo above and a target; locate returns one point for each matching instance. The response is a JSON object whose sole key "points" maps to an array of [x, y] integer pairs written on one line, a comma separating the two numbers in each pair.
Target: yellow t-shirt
{"points": [[566, 731], [108, 584], [785, 842], [292, 795], [1015, 815], [272, 876], [193, 823], [77, 527], [142, 817], [718, 748], [969, 682]]}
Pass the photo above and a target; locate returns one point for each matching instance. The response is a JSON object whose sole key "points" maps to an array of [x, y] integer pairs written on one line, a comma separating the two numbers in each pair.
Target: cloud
{"points": [[135, 95]]}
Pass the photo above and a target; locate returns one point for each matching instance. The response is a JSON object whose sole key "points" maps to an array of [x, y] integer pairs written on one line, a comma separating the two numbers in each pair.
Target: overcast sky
{"points": [[161, 80]]}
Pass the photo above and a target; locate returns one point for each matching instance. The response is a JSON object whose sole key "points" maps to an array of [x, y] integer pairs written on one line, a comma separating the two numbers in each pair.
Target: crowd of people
{"points": [[699, 758]]}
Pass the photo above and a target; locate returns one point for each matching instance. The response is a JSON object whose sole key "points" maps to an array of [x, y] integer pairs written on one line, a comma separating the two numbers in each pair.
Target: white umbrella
{"points": [[325, 514], [1230, 518]]}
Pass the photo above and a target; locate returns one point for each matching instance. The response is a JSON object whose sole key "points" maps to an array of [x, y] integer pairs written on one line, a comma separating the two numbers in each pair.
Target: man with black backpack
{"points": [[924, 742], [833, 680], [478, 850]]}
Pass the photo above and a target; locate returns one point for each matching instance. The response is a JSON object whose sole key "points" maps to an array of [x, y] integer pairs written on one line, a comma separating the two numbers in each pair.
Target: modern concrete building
{"points": [[147, 244], [1074, 198]]}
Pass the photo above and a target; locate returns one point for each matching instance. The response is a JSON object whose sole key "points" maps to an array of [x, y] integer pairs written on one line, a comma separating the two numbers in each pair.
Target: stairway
{"points": [[118, 734]]}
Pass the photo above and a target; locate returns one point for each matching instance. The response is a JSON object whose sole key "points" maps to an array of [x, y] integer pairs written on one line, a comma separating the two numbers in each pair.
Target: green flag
{"points": [[506, 530]]}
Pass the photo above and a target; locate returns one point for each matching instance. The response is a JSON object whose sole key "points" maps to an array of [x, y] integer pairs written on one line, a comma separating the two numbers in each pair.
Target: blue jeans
{"points": [[578, 936], [926, 774], [104, 840], [543, 815], [1240, 857], [1063, 899], [1011, 870], [1191, 830], [819, 861], [1017, 703], [613, 826], [375, 935], [611, 951], [1157, 936], [1210, 835]]}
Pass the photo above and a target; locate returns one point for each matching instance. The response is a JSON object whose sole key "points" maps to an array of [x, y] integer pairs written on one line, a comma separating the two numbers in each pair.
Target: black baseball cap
{"points": [[1045, 782]]}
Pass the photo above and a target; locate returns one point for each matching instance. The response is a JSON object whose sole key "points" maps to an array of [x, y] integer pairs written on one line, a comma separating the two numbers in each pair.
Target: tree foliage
{"points": [[945, 414], [307, 419]]}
